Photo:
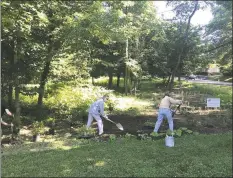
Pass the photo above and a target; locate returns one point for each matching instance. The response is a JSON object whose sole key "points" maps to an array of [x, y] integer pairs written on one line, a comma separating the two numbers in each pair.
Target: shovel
{"points": [[119, 126], [174, 111]]}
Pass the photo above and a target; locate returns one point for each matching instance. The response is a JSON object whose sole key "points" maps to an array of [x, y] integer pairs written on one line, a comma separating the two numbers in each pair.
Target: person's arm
{"points": [[8, 112], [173, 101], [102, 110], [6, 124]]}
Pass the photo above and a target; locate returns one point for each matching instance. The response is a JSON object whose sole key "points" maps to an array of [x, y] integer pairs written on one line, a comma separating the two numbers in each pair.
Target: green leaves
{"points": [[43, 19], [219, 31]]}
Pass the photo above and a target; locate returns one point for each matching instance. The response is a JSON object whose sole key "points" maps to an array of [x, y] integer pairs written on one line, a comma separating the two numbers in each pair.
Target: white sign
{"points": [[213, 102]]}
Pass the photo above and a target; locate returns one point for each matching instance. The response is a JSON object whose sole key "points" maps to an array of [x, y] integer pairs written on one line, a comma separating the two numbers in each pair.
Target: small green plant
{"points": [[170, 133], [84, 131], [154, 134], [177, 132], [50, 121], [129, 136], [37, 128], [112, 137], [144, 136]]}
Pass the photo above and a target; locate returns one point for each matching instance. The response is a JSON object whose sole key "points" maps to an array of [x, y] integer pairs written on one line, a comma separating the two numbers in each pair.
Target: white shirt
{"points": [[167, 101], [97, 108]]}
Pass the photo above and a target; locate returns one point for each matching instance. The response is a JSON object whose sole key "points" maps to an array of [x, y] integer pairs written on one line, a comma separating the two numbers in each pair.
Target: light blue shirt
{"points": [[97, 108]]}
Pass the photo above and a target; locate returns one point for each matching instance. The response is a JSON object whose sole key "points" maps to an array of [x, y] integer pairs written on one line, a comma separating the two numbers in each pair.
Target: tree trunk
{"points": [[51, 48], [168, 80], [135, 88], [43, 80], [17, 49], [118, 79], [17, 106], [110, 75], [93, 80], [10, 95], [171, 83], [126, 67], [179, 77], [11, 74], [126, 58], [130, 84]]}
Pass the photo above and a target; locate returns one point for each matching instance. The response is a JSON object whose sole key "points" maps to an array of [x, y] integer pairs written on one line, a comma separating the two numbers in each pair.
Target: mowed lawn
{"points": [[193, 155]]}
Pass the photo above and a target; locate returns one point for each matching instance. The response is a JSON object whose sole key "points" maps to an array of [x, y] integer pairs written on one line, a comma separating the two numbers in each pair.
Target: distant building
{"points": [[213, 68]]}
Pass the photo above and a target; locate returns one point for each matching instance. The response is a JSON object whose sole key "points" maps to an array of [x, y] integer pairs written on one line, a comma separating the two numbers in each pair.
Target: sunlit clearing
{"points": [[125, 103]]}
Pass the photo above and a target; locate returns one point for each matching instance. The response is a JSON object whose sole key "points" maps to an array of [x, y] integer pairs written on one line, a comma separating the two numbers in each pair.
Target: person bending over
{"points": [[165, 111], [95, 111]]}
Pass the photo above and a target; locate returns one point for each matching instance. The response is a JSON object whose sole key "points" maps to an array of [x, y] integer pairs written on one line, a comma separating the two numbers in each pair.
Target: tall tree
{"points": [[184, 13]]}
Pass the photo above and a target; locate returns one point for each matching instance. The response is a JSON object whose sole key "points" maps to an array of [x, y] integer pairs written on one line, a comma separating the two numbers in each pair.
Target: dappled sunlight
{"points": [[43, 146], [65, 168], [66, 171], [156, 94], [100, 163], [133, 106], [126, 103], [39, 149], [65, 144]]}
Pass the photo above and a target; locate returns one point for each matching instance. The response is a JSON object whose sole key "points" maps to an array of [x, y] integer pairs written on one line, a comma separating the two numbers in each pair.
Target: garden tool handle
{"points": [[109, 120], [178, 107]]}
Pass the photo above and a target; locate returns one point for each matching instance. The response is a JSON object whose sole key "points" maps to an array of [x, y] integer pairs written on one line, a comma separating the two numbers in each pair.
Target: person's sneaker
{"points": [[101, 133]]}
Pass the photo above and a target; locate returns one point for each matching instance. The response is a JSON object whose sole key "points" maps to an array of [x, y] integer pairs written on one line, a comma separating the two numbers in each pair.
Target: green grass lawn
{"points": [[193, 155]]}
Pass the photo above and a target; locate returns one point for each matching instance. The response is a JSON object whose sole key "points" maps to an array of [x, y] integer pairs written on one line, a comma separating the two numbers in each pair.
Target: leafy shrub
{"points": [[112, 137], [129, 136], [176, 133], [73, 103], [226, 70], [111, 103], [144, 136], [50, 122], [37, 128]]}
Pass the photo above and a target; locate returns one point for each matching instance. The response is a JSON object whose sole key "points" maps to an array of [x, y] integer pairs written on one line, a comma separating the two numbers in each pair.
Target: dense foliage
{"points": [[45, 43]]}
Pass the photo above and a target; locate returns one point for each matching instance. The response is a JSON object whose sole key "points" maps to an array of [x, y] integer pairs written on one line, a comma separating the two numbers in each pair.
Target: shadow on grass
{"points": [[123, 159]]}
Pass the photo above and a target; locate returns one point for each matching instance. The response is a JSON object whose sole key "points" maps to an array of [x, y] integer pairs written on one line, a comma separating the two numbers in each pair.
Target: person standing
{"points": [[4, 109], [95, 111], [165, 111]]}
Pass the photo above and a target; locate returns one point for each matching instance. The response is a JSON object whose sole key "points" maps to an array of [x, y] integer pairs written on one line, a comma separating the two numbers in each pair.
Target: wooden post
{"points": [[182, 95]]}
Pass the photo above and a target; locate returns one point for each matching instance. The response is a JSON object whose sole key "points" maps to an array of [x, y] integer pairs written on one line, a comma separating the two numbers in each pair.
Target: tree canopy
{"points": [[64, 41]]}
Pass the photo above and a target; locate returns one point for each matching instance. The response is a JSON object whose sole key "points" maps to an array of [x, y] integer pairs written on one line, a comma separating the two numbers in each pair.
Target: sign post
{"points": [[213, 102]]}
